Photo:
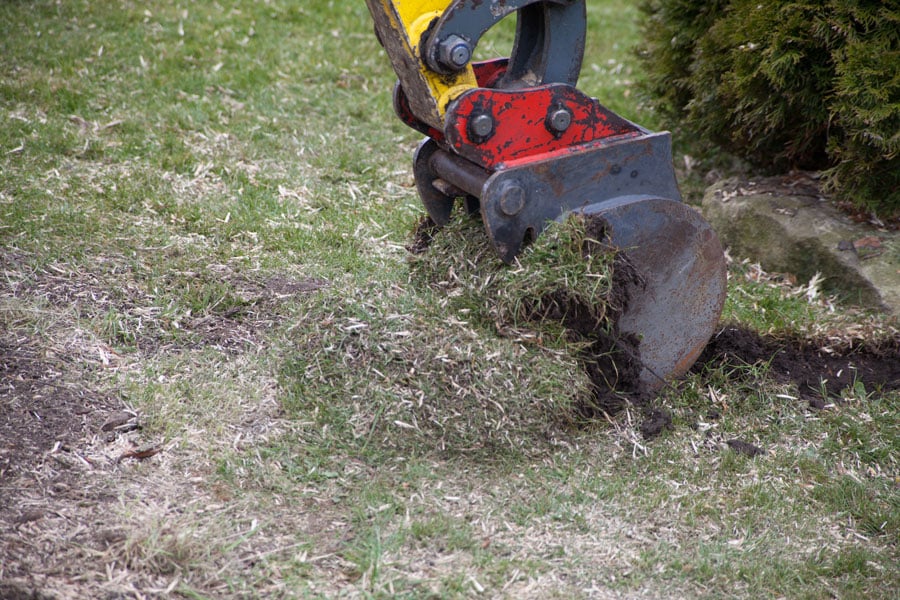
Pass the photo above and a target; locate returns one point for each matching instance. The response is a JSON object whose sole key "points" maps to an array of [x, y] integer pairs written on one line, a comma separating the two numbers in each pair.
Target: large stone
{"points": [[788, 227]]}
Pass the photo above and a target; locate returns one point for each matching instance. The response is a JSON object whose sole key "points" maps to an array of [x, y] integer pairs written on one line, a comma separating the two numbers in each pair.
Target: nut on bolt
{"points": [[454, 53]]}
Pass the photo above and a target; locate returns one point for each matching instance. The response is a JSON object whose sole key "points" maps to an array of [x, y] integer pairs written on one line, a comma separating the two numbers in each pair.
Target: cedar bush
{"points": [[785, 84]]}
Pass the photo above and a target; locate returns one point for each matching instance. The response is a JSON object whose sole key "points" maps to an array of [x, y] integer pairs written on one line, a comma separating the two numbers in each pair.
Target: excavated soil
{"points": [[818, 371], [612, 359], [810, 365], [423, 235]]}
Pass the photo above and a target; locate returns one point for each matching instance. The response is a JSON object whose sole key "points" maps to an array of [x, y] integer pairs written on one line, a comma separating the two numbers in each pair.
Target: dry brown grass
{"points": [[91, 516]]}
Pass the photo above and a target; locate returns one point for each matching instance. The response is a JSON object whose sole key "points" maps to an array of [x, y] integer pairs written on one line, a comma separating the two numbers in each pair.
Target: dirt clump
{"points": [[656, 421], [745, 448], [613, 360], [423, 235]]}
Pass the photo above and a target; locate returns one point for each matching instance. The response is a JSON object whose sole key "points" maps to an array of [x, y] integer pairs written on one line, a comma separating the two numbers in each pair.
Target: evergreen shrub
{"points": [[785, 84]]}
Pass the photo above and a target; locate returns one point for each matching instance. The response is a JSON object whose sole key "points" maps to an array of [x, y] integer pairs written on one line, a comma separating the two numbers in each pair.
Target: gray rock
{"points": [[786, 225]]}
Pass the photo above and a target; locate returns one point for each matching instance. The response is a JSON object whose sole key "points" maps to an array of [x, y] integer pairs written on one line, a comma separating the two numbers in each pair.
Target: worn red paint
{"points": [[520, 132]]}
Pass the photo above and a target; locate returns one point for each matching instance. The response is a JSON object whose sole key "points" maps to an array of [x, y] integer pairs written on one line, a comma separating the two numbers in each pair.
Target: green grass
{"points": [[203, 214]]}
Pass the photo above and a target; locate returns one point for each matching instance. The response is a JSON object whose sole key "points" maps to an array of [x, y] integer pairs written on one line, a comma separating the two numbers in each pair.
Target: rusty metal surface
{"points": [[438, 204], [675, 308], [404, 61], [560, 184], [465, 175], [441, 177], [525, 148], [403, 27], [487, 73]]}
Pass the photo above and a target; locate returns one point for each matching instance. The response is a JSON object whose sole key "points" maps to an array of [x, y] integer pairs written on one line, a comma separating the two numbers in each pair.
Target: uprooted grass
{"points": [[566, 289], [424, 369], [570, 264]]}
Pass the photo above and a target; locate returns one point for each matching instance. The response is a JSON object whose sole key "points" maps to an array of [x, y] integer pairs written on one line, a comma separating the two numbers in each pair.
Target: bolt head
{"points": [[560, 119], [481, 126], [512, 200], [460, 55]]}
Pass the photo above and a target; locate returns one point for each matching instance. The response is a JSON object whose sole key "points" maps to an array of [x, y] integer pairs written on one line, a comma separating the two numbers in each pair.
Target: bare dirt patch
{"points": [[130, 314], [41, 410], [46, 405], [812, 365], [55, 453], [45, 402], [255, 307]]}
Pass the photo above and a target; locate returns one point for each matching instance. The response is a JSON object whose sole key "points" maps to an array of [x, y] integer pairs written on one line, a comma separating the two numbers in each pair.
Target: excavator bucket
{"points": [[675, 299]]}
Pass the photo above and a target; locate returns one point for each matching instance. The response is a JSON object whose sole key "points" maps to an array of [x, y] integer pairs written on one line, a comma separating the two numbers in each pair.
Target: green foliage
{"points": [[785, 84]]}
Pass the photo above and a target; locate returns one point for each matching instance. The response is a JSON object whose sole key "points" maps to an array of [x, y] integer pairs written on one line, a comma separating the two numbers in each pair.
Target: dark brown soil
{"points": [[249, 306], [40, 410], [423, 235], [812, 367], [612, 359], [43, 400], [745, 448], [656, 420], [613, 363]]}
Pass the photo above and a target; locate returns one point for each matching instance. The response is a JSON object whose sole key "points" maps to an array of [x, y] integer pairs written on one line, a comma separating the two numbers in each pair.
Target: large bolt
{"points": [[512, 199], [559, 119], [454, 53], [481, 127]]}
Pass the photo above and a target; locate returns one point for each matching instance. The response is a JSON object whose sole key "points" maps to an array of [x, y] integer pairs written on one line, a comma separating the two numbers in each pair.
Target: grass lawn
{"points": [[222, 374]]}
